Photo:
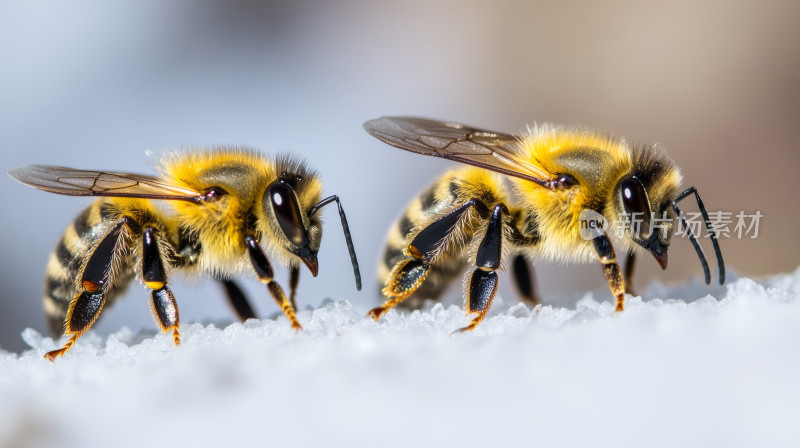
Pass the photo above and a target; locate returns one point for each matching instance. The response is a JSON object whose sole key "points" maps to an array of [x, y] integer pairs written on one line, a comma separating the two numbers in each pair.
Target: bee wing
{"points": [[72, 182], [494, 151]]}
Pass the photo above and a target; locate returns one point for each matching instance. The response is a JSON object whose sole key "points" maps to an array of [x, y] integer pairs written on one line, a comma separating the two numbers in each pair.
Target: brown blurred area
{"points": [[717, 83]]}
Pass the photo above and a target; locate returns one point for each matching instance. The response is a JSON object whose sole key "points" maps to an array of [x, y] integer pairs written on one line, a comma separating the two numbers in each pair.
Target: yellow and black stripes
{"points": [[558, 174], [195, 216]]}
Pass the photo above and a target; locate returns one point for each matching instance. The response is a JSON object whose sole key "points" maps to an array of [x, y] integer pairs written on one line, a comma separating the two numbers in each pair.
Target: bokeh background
{"points": [[95, 85]]}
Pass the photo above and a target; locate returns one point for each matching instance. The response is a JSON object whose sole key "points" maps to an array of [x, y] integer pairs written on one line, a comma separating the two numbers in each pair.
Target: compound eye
{"points": [[634, 200], [287, 212]]}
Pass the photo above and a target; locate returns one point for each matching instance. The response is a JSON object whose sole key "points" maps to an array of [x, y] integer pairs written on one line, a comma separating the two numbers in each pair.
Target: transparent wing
{"points": [[72, 182], [494, 151]]}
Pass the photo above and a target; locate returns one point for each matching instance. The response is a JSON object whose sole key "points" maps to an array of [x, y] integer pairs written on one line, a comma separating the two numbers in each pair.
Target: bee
{"points": [[209, 212], [560, 175]]}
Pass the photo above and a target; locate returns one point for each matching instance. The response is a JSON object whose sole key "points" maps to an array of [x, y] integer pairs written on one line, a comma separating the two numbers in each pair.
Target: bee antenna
{"points": [[347, 237], [711, 233]]}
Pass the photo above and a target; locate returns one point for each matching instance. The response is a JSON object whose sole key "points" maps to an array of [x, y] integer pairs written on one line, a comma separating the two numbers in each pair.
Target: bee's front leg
{"points": [[266, 276], [616, 283]]}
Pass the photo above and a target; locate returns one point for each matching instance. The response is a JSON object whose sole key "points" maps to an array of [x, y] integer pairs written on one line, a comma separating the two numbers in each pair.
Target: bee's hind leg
{"points": [[238, 300], [95, 280], [405, 278], [409, 274], [482, 285], [82, 313]]}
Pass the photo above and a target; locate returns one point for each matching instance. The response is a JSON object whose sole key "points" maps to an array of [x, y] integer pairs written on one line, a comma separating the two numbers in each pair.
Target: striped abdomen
{"points": [[64, 268]]}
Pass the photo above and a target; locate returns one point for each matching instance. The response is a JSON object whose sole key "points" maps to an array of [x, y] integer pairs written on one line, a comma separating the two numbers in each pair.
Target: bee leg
{"points": [[294, 279], [409, 274], [87, 304], [266, 276], [162, 302], [165, 312], [83, 311], [522, 273], [238, 300], [404, 279], [483, 282], [616, 283], [628, 275]]}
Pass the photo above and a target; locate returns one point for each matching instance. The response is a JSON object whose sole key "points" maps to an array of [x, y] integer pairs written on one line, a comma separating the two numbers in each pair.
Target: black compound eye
{"points": [[287, 212], [634, 200]]}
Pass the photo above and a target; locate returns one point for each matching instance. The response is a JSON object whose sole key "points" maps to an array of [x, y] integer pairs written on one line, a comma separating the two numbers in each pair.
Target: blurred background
{"points": [[96, 85]]}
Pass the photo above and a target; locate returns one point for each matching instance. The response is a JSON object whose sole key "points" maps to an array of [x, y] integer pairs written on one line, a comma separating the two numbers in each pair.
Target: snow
{"points": [[693, 371]]}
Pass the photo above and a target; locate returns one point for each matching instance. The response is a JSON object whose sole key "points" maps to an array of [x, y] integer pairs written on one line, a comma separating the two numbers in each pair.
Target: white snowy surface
{"points": [[695, 371]]}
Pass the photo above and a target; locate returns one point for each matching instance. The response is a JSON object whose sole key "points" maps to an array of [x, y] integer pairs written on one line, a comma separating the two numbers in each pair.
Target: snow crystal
{"points": [[689, 370]]}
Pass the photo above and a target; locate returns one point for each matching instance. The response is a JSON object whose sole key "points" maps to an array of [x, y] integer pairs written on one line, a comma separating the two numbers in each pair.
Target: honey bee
{"points": [[559, 174], [208, 212]]}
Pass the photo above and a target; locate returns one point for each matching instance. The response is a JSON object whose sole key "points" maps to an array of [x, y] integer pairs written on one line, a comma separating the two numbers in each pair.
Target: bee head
{"points": [[644, 199], [297, 233]]}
